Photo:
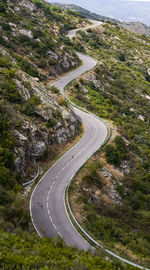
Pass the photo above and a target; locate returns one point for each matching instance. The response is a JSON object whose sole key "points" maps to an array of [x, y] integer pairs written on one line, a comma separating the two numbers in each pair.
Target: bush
{"points": [[37, 33], [4, 62], [51, 123], [30, 106], [57, 114], [112, 155], [6, 26], [54, 89], [2, 41], [63, 102], [120, 144], [93, 178], [27, 67], [55, 9], [9, 91]]}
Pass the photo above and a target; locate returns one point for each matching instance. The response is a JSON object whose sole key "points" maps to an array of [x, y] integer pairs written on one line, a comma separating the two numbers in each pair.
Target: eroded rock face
{"points": [[23, 91], [27, 4], [27, 33], [38, 149], [35, 136]]}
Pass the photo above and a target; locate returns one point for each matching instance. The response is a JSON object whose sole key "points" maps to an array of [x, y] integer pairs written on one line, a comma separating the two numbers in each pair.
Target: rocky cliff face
{"points": [[33, 54]]}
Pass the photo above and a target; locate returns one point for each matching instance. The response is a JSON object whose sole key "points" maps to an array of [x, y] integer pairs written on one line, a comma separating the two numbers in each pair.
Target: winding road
{"points": [[47, 203]]}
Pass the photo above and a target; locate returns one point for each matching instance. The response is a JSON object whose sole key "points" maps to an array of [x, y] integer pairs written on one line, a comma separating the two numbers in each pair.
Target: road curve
{"points": [[94, 24], [47, 205]]}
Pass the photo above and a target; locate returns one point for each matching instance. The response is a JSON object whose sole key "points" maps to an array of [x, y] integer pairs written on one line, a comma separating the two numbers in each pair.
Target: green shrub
{"points": [[94, 179], [55, 9], [120, 144], [2, 41], [54, 89], [37, 33], [9, 91], [27, 67], [42, 63], [5, 26], [30, 105], [51, 123], [63, 102], [4, 62], [112, 155], [57, 114], [23, 39]]}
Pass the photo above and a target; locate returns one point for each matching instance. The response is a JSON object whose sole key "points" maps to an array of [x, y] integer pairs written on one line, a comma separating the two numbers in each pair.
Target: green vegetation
{"points": [[32, 252], [30, 55], [119, 89], [115, 154]]}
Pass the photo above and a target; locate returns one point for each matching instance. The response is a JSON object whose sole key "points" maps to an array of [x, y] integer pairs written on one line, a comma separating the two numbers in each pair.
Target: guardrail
{"points": [[80, 227], [32, 180], [68, 187]]}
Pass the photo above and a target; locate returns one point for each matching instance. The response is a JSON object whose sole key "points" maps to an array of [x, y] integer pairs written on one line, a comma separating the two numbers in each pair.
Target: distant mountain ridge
{"points": [[136, 27]]}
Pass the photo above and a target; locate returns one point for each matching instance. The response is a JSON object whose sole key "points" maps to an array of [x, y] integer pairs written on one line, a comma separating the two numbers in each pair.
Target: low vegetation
{"points": [[31, 56], [118, 90], [31, 252]]}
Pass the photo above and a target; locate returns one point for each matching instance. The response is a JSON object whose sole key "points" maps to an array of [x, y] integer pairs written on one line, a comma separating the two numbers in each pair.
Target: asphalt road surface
{"points": [[47, 206]]}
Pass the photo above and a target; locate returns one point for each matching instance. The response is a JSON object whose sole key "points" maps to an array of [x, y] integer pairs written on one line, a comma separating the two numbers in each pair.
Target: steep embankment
{"points": [[34, 118], [136, 27], [48, 197], [113, 190]]}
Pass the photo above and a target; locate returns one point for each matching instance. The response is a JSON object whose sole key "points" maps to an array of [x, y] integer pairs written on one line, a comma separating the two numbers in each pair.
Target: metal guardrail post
{"points": [[32, 180]]}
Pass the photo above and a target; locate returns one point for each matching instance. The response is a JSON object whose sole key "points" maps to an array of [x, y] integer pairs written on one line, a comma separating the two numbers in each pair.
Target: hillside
{"points": [[37, 126], [35, 121], [31, 252], [110, 196], [136, 27], [127, 11], [86, 13]]}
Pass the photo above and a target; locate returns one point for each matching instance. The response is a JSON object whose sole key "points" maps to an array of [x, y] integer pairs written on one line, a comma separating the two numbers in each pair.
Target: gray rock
{"points": [[38, 149], [61, 136], [65, 62], [22, 90], [106, 173], [21, 139], [26, 4], [46, 115], [141, 118], [26, 32], [52, 54]]}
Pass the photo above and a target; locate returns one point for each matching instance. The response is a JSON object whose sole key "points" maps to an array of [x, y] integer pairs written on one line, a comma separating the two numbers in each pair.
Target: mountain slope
{"points": [[110, 196], [136, 27], [34, 117]]}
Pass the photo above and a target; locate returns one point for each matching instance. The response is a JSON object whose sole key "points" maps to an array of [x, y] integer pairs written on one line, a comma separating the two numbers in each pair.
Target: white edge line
{"points": [[72, 223], [107, 126]]}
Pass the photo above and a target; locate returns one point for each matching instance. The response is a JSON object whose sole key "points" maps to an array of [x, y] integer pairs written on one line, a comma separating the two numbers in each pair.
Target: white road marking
{"points": [[60, 234], [54, 226]]}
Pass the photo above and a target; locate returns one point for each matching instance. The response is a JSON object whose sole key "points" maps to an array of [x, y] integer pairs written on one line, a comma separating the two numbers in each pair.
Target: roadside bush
{"points": [[112, 155], [54, 89], [94, 179]]}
